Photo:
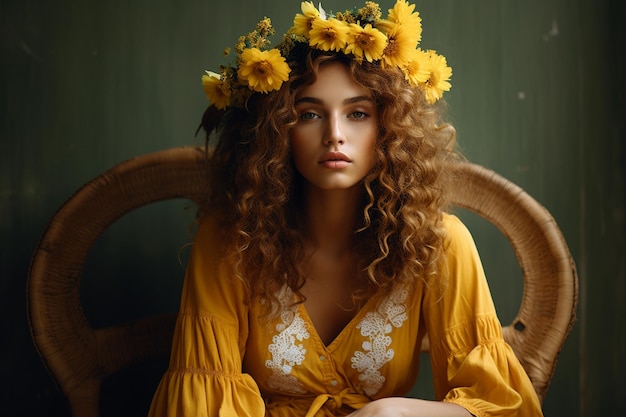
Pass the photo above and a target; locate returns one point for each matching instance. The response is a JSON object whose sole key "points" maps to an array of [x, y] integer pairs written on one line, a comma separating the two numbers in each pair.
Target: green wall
{"points": [[538, 95]]}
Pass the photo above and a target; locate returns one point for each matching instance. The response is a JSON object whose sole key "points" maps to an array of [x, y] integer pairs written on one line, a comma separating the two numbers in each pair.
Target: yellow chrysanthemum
{"points": [[418, 70], [369, 13], [399, 49], [216, 90], [385, 26], [329, 35], [366, 42], [302, 22], [263, 71], [346, 16], [402, 14], [437, 81]]}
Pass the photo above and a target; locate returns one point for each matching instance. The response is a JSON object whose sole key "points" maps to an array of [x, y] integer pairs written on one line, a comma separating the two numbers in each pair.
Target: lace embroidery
{"points": [[286, 353], [375, 327]]}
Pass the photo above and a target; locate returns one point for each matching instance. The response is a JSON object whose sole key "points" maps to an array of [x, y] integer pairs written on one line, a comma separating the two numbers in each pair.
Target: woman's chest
{"points": [[375, 353]]}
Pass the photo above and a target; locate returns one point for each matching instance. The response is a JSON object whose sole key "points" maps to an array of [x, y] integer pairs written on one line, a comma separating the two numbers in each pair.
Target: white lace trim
{"points": [[286, 353], [375, 327]]}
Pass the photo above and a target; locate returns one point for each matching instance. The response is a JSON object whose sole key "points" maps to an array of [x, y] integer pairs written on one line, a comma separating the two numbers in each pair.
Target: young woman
{"points": [[324, 255]]}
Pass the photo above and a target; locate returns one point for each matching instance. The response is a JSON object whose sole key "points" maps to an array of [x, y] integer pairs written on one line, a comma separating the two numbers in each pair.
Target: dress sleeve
{"points": [[472, 364], [204, 377]]}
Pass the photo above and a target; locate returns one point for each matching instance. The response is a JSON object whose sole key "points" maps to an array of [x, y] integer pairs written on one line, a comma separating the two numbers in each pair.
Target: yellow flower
{"points": [[302, 22], [346, 16], [437, 81], [329, 35], [418, 69], [366, 41], [370, 12], [399, 49], [263, 71], [216, 90], [402, 14]]}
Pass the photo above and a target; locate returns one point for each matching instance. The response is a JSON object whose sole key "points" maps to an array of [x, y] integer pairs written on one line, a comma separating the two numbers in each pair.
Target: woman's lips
{"points": [[335, 160]]}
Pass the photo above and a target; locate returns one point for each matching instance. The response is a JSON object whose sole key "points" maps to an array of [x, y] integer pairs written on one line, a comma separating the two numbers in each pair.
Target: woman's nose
{"points": [[335, 132]]}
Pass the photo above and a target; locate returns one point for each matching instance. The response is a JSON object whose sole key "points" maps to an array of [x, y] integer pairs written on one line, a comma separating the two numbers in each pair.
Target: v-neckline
{"points": [[349, 326]]}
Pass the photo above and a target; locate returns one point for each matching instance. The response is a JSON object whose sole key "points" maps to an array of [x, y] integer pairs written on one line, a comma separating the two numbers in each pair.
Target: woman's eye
{"points": [[358, 115], [308, 116]]}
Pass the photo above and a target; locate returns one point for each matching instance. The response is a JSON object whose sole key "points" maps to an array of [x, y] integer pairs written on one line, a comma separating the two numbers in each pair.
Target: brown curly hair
{"points": [[255, 186]]}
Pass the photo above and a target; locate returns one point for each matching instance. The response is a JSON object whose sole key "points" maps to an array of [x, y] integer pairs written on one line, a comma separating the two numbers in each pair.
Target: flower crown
{"points": [[360, 33]]}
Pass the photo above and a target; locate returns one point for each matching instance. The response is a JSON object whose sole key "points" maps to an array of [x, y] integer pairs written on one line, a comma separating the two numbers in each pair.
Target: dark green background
{"points": [[538, 95]]}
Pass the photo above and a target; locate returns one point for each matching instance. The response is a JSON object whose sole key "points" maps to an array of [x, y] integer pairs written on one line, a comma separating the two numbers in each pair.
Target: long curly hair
{"points": [[255, 186]]}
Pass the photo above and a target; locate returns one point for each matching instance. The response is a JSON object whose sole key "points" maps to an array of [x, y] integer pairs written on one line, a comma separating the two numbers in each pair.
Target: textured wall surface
{"points": [[538, 96]]}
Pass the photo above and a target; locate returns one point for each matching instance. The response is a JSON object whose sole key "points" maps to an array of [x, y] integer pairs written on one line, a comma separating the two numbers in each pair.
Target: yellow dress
{"points": [[226, 363]]}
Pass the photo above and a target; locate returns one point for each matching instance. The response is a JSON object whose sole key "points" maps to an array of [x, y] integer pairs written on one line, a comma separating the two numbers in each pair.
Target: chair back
{"points": [[548, 307], [80, 357]]}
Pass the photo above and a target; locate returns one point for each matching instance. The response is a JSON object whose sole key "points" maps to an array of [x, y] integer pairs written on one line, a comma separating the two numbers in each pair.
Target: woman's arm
{"points": [[204, 377], [410, 407]]}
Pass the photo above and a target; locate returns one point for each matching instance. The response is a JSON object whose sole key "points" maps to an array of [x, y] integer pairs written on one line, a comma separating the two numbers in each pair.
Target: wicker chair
{"points": [[81, 357]]}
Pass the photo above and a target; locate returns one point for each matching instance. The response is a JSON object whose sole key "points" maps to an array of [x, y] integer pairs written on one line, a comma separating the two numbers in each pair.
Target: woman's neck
{"points": [[330, 218]]}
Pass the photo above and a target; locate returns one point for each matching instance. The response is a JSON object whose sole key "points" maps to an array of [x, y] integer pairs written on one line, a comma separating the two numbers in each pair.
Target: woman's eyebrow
{"points": [[308, 99], [358, 99], [351, 100]]}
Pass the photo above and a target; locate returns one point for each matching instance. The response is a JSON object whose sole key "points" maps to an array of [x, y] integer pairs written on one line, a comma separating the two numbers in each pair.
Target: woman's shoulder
{"points": [[458, 238], [210, 231], [453, 226]]}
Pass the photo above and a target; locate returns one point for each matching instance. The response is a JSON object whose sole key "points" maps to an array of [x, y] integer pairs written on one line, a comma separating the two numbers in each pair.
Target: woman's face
{"points": [[333, 141]]}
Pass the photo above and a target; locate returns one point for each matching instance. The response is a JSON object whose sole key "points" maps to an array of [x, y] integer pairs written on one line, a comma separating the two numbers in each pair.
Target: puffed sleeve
{"points": [[205, 378], [472, 364]]}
